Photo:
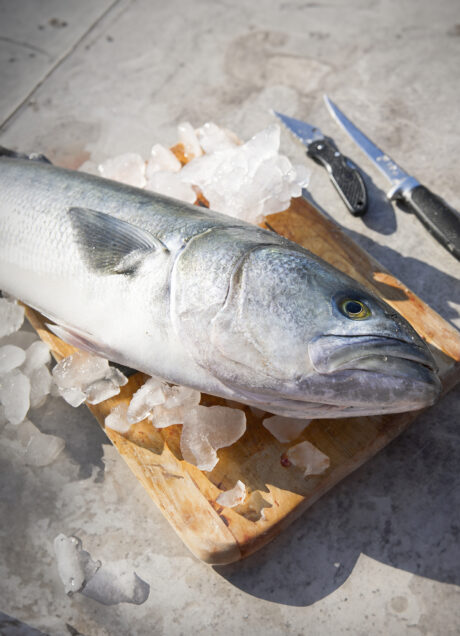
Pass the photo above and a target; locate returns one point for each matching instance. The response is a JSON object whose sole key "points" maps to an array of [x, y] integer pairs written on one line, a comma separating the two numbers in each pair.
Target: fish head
{"points": [[299, 338]]}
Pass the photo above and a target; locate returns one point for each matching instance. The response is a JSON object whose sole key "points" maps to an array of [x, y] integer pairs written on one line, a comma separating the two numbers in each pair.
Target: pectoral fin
{"points": [[110, 245], [79, 339]]}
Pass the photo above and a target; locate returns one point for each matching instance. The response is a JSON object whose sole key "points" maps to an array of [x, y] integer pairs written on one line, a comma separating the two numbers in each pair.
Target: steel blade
{"points": [[395, 174], [301, 129]]}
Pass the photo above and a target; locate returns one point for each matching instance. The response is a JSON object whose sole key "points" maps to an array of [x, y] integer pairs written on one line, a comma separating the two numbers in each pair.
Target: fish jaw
{"points": [[402, 371]]}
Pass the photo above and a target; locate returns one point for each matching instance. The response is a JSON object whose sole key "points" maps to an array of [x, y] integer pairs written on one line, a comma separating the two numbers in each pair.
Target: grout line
{"points": [[37, 49], [17, 108]]}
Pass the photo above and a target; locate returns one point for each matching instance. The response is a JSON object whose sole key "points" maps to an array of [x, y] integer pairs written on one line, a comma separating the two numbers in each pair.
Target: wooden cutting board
{"points": [[277, 493]]}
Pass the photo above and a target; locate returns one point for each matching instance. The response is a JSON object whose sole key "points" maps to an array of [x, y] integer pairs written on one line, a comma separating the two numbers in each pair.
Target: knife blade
{"points": [[345, 177], [437, 216]]}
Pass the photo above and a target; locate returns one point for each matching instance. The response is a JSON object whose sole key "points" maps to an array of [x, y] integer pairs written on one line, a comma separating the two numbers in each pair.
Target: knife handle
{"points": [[346, 180], [440, 219]]}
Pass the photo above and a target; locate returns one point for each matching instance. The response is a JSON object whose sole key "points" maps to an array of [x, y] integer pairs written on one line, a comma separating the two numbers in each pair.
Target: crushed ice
{"points": [[83, 376], [308, 458], [285, 429], [245, 180], [108, 583], [206, 429]]}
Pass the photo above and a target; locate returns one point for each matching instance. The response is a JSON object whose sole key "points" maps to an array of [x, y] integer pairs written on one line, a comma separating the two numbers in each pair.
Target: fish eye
{"points": [[354, 309]]}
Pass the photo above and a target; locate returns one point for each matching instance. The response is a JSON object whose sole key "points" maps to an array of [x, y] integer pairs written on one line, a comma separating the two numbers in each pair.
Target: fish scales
{"points": [[202, 299]]}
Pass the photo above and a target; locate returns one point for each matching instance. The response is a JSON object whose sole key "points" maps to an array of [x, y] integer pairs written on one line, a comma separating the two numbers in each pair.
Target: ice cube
{"points": [[116, 376], [285, 429], [40, 385], [75, 566], [116, 582], [37, 355], [101, 390], [80, 370], [11, 316], [128, 168], [171, 185], [150, 394], [161, 158], [11, 357], [117, 419], [187, 137], [40, 449], [73, 396], [234, 496], [176, 395], [206, 429], [15, 395], [308, 458]]}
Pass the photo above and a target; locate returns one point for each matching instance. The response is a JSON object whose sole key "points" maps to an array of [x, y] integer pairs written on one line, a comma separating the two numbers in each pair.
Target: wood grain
{"points": [[277, 494]]}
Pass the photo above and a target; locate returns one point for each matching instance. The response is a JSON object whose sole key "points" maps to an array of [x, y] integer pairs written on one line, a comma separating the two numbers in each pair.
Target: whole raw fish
{"points": [[202, 299]]}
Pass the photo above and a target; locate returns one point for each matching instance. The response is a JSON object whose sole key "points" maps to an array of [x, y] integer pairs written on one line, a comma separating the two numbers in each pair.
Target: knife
{"points": [[343, 174], [437, 216]]}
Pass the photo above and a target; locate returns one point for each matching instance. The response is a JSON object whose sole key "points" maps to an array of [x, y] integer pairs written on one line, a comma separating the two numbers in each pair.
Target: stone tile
{"points": [[34, 37]]}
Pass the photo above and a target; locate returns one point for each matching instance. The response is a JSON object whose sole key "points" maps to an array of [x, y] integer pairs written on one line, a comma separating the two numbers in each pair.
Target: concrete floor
{"points": [[85, 80]]}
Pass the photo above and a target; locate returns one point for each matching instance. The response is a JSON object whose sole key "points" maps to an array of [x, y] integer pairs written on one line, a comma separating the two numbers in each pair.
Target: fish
{"points": [[201, 299]]}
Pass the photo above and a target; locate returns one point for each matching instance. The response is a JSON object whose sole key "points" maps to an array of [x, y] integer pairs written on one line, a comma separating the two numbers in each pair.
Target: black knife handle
{"points": [[440, 219], [346, 180]]}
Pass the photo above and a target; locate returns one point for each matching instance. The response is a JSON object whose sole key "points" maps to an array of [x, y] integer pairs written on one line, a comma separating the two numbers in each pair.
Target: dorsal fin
{"points": [[110, 245], [12, 154]]}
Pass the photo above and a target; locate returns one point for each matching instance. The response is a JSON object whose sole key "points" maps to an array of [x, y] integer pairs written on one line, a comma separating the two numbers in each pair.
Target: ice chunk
{"points": [[206, 429], [161, 158], [247, 181], [37, 355], [110, 583], [234, 496], [187, 137], [72, 396], [117, 419], [308, 458], [213, 138], [150, 394], [11, 316], [285, 429], [40, 385], [116, 376], [176, 395], [101, 390], [40, 449], [15, 395], [80, 370], [11, 357], [171, 185], [116, 582], [162, 417], [128, 168], [75, 566]]}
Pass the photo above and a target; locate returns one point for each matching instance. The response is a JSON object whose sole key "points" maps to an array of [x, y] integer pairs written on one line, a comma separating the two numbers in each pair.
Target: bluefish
{"points": [[202, 299]]}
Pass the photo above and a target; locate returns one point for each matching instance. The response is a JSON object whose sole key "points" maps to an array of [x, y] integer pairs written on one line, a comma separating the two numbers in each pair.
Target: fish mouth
{"points": [[356, 376], [389, 356]]}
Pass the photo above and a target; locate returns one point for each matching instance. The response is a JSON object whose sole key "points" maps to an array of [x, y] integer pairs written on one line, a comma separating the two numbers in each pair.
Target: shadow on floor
{"points": [[402, 508]]}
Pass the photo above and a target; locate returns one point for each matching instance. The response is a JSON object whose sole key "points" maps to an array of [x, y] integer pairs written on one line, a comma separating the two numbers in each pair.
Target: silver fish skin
{"points": [[201, 299]]}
